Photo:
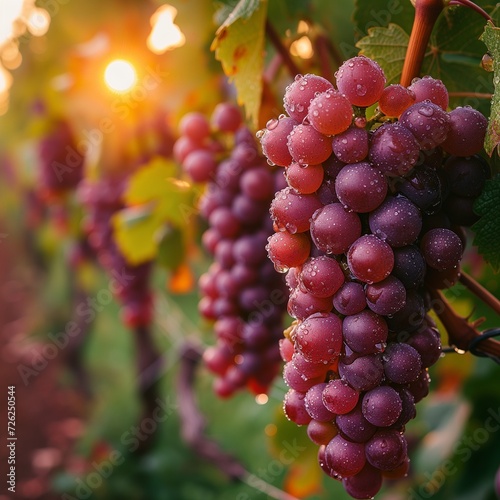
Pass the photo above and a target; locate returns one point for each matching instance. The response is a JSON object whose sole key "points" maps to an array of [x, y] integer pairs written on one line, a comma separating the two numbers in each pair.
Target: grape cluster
{"points": [[370, 220], [129, 282], [61, 165], [241, 292]]}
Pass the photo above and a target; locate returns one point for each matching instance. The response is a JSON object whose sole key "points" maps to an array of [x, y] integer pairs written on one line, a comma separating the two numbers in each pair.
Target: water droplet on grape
{"points": [[272, 124], [426, 111], [361, 90]]}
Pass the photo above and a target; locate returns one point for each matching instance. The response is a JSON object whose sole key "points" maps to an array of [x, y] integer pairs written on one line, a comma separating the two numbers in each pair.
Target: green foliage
{"points": [[487, 229], [154, 197], [380, 13], [239, 46], [388, 47], [491, 37]]}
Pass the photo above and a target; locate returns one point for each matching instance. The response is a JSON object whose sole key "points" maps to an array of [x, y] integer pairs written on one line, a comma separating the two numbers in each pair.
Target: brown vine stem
{"points": [[426, 14], [281, 49], [460, 332], [477, 95], [479, 291], [193, 428]]}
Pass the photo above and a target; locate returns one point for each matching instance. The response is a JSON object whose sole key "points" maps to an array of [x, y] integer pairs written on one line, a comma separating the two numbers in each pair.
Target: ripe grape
{"points": [[360, 187], [330, 112], [301, 92], [361, 80]]}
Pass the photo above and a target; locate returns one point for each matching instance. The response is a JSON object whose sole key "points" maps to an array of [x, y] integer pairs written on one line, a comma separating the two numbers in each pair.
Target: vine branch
{"points": [[193, 428], [426, 14], [460, 332]]}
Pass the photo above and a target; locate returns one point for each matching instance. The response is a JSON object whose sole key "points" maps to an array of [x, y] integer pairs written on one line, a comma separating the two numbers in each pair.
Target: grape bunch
{"points": [[370, 220], [61, 165], [241, 291], [129, 282]]}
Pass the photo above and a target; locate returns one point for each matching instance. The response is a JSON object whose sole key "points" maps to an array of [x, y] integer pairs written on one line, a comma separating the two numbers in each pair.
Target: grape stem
{"points": [[426, 14], [275, 39], [479, 291], [473, 6], [193, 427], [460, 332]]}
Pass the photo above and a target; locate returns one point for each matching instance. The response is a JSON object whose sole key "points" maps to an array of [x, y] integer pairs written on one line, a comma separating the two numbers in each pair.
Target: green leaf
{"points": [[380, 13], [232, 10], [491, 37], [239, 46], [154, 197], [487, 228], [134, 230], [171, 248], [388, 47]]}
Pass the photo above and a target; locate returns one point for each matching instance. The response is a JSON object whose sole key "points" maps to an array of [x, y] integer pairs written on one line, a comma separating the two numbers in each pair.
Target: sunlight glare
{"points": [[11, 11], [165, 34], [120, 75]]}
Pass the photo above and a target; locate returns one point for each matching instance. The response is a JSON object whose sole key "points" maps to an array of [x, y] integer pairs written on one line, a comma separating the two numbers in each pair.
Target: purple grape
{"points": [[394, 150], [360, 187], [442, 249], [409, 266], [334, 229], [427, 122], [386, 450], [365, 332], [386, 297], [344, 457], [397, 221], [370, 259], [351, 146], [382, 406], [364, 373], [467, 132], [350, 298], [402, 363]]}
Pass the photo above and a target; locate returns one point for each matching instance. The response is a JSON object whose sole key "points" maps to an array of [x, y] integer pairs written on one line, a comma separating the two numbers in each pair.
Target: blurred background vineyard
{"points": [[55, 56]]}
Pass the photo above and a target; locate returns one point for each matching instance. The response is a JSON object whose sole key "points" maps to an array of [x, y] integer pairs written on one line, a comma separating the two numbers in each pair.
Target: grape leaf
{"points": [[487, 228], [388, 47], [230, 11], [491, 37], [239, 46], [154, 197], [380, 13]]}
